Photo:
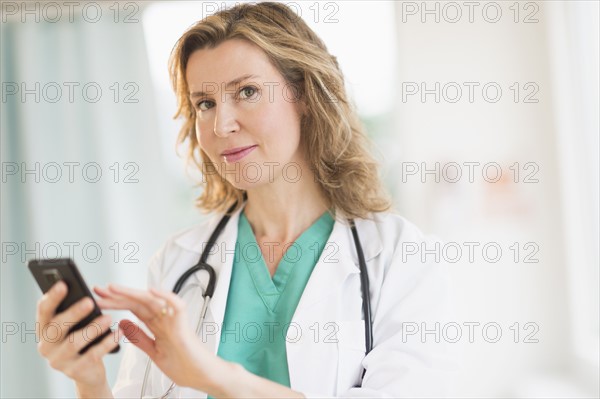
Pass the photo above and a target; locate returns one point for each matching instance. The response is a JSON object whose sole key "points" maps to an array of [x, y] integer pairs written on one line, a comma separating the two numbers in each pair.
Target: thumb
{"points": [[137, 336]]}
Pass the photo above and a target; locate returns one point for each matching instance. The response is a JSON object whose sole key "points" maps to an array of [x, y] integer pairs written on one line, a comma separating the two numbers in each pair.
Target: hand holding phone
{"points": [[49, 271]]}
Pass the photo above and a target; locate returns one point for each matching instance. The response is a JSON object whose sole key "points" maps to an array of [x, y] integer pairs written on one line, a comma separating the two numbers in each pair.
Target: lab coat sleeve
{"points": [[133, 364], [415, 296]]}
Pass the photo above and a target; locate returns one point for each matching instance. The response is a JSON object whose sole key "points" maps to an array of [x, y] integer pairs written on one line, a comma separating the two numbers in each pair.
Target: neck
{"points": [[282, 210]]}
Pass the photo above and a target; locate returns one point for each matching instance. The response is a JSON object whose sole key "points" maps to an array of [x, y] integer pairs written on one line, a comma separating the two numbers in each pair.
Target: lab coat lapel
{"points": [[338, 260], [332, 268], [321, 295]]}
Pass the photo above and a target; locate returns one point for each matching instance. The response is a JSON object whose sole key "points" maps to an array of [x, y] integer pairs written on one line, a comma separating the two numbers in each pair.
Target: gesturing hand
{"points": [[175, 349]]}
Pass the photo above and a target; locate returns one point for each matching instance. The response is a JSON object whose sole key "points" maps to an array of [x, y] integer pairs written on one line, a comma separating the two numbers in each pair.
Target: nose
{"points": [[225, 120]]}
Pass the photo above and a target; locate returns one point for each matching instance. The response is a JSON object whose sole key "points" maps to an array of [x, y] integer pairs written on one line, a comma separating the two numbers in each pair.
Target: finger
{"points": [[138, 337], [141, 310], [152, 304], [171, 298], [107, 343], [107, 299], [46, 306], [97, 352], [69, 348], [112, 303], [83, 337], [102, 292], [74, 314], [139, 304], [140, 295], [121, 290]]}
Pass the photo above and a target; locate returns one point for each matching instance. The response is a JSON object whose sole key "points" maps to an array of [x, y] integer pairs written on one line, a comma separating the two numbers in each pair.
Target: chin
{"points": [[248, 184]]}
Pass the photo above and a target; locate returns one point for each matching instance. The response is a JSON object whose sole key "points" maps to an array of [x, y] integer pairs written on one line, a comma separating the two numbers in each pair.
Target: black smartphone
{"points": [[48, 271]]}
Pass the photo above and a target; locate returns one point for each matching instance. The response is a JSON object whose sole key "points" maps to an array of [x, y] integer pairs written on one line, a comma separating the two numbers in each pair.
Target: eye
{"points": [[247, 91], [204, 105]]}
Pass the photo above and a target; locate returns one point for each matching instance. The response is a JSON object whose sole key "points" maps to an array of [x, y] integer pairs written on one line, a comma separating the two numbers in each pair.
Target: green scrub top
{"points": [[259, 309]]}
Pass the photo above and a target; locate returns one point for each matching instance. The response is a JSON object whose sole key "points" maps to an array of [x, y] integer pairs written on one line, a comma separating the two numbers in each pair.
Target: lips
{"points": [[232, 151], [235, 154]]}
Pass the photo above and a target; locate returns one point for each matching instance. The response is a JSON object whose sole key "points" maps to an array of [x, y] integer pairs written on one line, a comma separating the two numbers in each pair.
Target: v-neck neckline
{"points": [[271, 288]]}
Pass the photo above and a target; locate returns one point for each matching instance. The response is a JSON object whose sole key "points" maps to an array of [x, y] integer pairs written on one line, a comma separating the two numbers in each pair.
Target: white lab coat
{"points": [[326, 359]]}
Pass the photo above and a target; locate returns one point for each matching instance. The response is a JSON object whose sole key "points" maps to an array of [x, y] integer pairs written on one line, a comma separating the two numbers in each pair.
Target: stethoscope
{"points": [[212, 277]]}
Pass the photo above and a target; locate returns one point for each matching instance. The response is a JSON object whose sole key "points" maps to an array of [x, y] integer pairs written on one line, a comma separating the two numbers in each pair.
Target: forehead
{"points": [[229, 60]]}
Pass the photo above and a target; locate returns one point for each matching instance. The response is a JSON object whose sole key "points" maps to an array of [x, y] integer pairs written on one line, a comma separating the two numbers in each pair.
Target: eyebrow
{"points": [[234, 82]]}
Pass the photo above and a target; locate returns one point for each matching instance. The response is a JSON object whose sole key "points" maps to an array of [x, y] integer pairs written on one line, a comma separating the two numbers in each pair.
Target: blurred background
{"points": [[484, 116]]}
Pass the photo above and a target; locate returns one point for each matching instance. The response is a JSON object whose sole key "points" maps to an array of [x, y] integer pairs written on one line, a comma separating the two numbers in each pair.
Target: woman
{"points": [[269, 124]]}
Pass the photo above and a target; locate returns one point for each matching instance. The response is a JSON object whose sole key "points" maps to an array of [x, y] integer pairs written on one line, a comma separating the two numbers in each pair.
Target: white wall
{"points": [[503, 211]]}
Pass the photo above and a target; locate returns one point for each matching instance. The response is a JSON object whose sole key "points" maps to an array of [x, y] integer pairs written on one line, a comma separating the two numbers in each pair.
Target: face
{"points": [[257, 112]]}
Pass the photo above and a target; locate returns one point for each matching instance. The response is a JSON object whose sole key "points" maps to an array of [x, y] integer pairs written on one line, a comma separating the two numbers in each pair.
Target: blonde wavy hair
{"points": [[330, 128]]}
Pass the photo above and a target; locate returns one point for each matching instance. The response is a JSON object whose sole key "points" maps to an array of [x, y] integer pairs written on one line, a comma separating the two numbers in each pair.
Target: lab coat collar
{"points": [[338, 260], [195, 239]]}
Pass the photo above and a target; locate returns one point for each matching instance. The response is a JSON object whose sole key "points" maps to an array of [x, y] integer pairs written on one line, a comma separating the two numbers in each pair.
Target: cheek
{"points": [[204, 139], [279, 123], [201, 131]]}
